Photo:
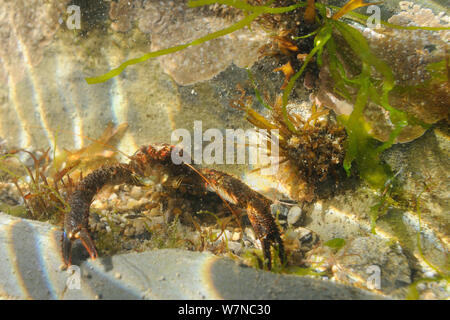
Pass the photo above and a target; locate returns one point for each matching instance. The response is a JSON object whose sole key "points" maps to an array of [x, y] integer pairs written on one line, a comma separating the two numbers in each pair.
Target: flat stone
{"points": [[30, 263], [372, 256], [294, 215]]}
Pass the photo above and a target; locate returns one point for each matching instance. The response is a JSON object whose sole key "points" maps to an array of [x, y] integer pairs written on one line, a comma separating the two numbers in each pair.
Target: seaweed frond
{"points": [[253, 12]]}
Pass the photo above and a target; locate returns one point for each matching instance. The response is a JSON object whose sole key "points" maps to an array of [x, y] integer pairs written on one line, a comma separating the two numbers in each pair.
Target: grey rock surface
{"points": [[365, 254], [30, 268]]}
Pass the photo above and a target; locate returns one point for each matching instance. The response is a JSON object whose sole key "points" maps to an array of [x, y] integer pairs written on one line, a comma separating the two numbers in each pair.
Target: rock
{"points": [[30, 262], [294, 215], [306, 237], [225, 236], [409, 53], [236, 236], [122, 13], [129, 232], [422, 172], [443, 140], [332, 219], [364, 259], [132, 203], [202, 62], [139, 225], [249, 235], [235, 247], [280, 209], [347, 215], [136, 193], [155, 212]]}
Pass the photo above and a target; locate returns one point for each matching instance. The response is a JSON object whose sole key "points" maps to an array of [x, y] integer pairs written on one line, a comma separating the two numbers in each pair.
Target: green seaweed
{"points": [[441, 274], [385, 201], [413, 293], [42, 202], [362, 148], [253, 13], [335, 244], [115, 72], [257, 93], [19, 211], [361, 18], [439, 71], [322, 37]]}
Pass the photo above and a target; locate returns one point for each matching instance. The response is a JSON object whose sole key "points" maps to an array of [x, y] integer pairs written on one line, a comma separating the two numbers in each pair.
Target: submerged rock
{"points": [[26, 29], [30, 262], [370, 256], [410, 54], [174, 23], [294, 215]]}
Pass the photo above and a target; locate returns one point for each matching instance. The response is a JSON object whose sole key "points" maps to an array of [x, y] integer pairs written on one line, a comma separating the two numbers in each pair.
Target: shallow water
{"points": [[50, 48]]}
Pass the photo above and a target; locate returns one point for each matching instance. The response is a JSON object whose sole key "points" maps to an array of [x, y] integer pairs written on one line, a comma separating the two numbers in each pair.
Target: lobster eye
{"points": [[73, 235]]}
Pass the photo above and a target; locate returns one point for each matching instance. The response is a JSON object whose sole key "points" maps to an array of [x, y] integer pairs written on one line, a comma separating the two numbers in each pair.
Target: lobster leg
{"points": [[258, 209], [87, 242], [66, 249], [158, 158]]}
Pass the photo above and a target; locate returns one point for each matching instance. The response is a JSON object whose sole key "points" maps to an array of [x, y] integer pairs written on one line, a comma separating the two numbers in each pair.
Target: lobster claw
{"points": [[88, 243], [266, 230], [86, 240], [66, 249], [266, 244]]}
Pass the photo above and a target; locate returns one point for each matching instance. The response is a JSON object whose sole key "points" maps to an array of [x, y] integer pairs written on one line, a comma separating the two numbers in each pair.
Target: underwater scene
{"points": [[224, 149]]}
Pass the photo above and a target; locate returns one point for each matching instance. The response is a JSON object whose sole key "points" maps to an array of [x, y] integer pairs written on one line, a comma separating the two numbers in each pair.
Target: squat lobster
{"points": [[155, 160]]}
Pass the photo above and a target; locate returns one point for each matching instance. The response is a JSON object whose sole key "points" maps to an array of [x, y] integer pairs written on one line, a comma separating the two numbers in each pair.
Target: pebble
{"points": [[305, 235], [236, 236], [139, 226], [235, 247], [430, 274], [225, 236], [131, 203], [421, 286], [280, 209], [98, 204], [155, 197], [136, 193], [176, 211], [250, 234], [294, 215], [130, 231], [155, 212], [117, 275], [112, 197]]}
